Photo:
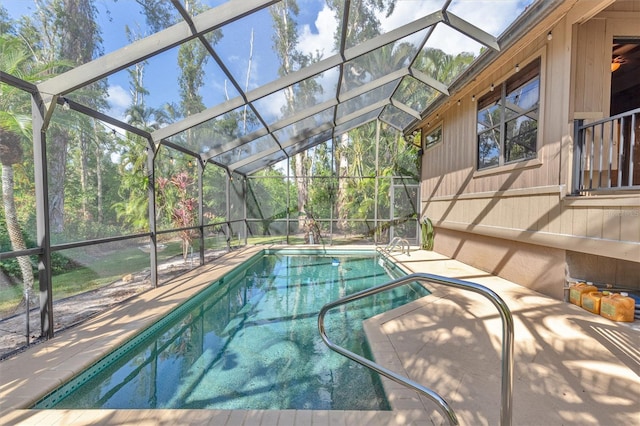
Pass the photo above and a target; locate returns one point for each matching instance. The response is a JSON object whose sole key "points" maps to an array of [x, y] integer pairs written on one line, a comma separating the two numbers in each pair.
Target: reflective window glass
{"points": [[507, 119]]}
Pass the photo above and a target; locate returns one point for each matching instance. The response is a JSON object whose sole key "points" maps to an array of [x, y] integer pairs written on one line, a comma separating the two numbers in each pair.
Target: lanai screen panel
{"points": [[367, 99], [396, 117], [357, 122], [308, 143], [298, 129], [293, 100], [250, 149], [261, 163], [220, 134], [381, 62], [390, 19], [414, 93]]}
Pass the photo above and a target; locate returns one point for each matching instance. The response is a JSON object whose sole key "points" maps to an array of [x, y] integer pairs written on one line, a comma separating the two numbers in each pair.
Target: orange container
{"points": [[591, 301], [576, 291], [617, 307]]}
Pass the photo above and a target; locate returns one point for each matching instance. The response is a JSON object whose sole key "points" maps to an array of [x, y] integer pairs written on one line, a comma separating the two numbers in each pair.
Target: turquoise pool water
{"points": [[250, 341]]}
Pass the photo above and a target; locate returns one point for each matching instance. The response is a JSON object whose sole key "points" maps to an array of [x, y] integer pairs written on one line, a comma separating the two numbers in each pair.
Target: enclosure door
{"points": [[404, 211]]}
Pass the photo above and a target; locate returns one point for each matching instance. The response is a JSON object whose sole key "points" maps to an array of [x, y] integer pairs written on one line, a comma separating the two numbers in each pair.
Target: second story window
{"points": [[508, 119]]}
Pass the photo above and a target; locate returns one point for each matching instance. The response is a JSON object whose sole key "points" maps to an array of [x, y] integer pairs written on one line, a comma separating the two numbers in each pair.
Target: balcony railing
{"points": [[607, 154]]}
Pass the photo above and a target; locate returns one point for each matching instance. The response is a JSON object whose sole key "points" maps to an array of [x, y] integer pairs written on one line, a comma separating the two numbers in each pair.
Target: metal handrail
{"points": [[394, 242], [404, 242], [507, 341]]}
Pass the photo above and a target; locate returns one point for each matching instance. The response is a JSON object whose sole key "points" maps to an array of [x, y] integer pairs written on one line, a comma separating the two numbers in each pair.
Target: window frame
{"points": [[433, 130], [497, 99]]}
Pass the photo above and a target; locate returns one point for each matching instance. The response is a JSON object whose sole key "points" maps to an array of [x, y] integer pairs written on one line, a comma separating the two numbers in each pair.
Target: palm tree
{"points": [[15, 127], [442, 66]]}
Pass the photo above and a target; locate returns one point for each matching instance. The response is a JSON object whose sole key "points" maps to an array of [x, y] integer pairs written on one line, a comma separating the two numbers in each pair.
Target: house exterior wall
{"points": [[519, 220]]}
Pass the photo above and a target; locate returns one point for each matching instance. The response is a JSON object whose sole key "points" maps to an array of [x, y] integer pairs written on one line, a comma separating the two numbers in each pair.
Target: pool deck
{"points": [[570, 367]]}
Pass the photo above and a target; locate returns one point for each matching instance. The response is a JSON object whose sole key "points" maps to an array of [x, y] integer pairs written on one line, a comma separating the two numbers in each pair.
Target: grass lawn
{"points": [[96, 269]]}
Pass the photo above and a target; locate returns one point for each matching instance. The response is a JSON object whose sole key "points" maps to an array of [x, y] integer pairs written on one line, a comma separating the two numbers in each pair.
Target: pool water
{"points": [[252, 343]]}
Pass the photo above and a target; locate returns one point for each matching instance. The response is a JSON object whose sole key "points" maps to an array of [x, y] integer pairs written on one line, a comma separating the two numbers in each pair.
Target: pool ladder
{"points": [[395, 242], [507, 341]]}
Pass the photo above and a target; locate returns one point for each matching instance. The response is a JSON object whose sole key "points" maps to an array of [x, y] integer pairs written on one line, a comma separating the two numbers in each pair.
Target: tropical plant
{"points": [[15, 131], [184, 212], [133, 210], [428, 234]]}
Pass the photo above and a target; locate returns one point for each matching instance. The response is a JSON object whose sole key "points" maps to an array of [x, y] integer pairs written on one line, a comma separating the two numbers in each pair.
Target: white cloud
{"points": [[452, 41], [270, 107], [254, 74], [323, 41], [408, 11], [492, 16], [119, 100]]}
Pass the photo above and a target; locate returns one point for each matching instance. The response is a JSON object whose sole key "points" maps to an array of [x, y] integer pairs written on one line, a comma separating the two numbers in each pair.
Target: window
{"points": [[508, 119], [433, 137]]}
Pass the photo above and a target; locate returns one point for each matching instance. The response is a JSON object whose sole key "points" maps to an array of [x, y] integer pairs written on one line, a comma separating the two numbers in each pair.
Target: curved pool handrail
{"points": [[507, 341], [394, 243]]}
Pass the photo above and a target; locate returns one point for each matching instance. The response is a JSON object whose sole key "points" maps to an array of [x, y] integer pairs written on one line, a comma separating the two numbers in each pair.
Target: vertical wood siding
{"points": [[450, 179]]}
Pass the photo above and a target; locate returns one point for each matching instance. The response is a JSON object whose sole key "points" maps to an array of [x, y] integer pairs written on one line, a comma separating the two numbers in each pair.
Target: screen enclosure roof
{"points": [[278, 77]]}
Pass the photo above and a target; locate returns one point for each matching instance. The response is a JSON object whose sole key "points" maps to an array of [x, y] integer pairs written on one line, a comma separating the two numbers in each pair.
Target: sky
{"points": [[316, 25]]}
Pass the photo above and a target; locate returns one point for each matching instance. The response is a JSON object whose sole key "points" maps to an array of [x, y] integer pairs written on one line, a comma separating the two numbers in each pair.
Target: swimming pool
{"points": [[250, 341]]}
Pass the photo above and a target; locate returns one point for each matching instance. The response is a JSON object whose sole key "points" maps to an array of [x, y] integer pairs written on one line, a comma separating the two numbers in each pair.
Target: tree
{"points": [[6, 27], [12, 129], [267, 198], [134, 184], [363, 25], [65, 33], [442, 66], [174, 194], [192, 57], [15, 129], [214, 194], [285, 43], [323, 187]]}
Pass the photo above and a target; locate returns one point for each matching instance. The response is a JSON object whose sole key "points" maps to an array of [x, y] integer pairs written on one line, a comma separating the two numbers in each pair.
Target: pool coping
{"points": [[30, 375]]}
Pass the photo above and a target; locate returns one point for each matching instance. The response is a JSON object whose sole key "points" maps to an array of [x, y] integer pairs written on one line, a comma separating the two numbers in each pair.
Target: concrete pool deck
{"points": [[570, 367]]}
